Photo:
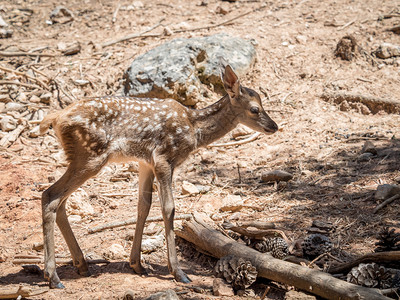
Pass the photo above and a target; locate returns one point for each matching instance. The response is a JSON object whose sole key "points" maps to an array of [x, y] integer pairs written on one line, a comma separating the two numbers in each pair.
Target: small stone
{"points": [[203, 189], [232, 203], [34, 99], [8, 123], [61, 15], [167, 31], [365, 156], [34, 132], [221, 10], [277, 175], [45, 98], [240, 131], [152, 243], [167, 295], [78, 204], [369, 147], [115, 251], [14, 106], [301, 39], [189, 188], [385, 191], [221, 288], [74, 218], [387, 50]]}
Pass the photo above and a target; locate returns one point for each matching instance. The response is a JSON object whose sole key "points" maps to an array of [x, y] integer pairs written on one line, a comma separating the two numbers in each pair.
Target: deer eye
{"points": [[254, 110]]}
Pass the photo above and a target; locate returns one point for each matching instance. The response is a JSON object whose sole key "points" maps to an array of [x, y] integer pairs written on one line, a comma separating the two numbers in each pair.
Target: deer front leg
{"points": [[146, 178], [164, 177]]}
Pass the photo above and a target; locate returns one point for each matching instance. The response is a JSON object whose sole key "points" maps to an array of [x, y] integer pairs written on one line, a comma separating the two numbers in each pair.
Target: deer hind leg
{"points": [[53, 209], [163, 172], [146, 178]]}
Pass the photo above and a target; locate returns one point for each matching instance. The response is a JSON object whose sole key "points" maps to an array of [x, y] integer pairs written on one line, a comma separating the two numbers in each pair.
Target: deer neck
{"points": [[214, 121]]}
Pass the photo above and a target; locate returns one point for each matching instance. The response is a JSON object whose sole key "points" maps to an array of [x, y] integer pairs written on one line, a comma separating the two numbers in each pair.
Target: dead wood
{"points": [[60, 261], [251, 138], [27, 85], [386, 202], [12, 136], [257, 234], [21, 53], [21, 292], [25, 75], [256, 224], [133, 221], [390, 256], [132, 35], [374, 104], [199, 233]]}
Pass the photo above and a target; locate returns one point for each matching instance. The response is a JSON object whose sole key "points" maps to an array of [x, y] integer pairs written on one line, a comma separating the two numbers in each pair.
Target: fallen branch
{"points": [[25, 75], [386, 202], [251, 138], [21, 53], [132, 35], [21, 292], [390, 256], [255, 233], [219, 24], [60, 261], [325, 285], [133, 221], [27, 85], [373, 103]]}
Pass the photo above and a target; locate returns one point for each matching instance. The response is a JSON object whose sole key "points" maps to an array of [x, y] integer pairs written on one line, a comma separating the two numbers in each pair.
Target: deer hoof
{"points": [[181, 276], [58, 285], [138, 268]]}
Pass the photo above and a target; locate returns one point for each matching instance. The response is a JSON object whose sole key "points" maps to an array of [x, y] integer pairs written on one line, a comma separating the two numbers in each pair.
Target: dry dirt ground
{"points": [[318, 142]]}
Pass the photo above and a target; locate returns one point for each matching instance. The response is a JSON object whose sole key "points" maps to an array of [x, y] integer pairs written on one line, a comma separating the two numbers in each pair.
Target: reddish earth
{"points": [[318, 143]]}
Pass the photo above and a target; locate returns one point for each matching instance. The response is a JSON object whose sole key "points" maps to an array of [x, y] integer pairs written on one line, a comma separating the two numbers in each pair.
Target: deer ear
{"points": [[231, 82]]}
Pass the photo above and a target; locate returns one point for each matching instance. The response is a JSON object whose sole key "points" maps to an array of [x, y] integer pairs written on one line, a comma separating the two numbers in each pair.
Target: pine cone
{"points": [[236, 271], [371, 275], [277, 246], [316, 244], [388, 240]]}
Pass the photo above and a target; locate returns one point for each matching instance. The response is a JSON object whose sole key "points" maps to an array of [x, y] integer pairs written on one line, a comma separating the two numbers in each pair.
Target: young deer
{"points": [[159, 133]]}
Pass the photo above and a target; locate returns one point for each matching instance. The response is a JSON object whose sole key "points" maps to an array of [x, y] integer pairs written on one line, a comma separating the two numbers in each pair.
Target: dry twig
{"points": [[251, 138], [386, 202], [21, 53]]}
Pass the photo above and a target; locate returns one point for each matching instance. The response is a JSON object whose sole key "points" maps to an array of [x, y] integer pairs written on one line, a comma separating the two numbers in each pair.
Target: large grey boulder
{"points": [[178, 68]]}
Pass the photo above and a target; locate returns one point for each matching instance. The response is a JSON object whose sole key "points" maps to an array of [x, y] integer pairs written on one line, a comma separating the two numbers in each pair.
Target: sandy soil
{"points": [[318, 143]]}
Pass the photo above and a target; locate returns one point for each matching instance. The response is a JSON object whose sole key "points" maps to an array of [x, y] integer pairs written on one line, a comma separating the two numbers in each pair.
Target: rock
{"points": [[189, 188], [385, 191], [74, 218], [232, 203], [152, 243], [203, 189], [34, 99], [301, 39], [15, 106], [178, 68], [115, 251], [369, 147], [45, 98], [297, 295], [387, 50], [240, 131], [78, 204], [34, 132], [276, 175], [61, 15], [167, 295], [221, 288], [5, 33], [8, 123], [365, 157]]}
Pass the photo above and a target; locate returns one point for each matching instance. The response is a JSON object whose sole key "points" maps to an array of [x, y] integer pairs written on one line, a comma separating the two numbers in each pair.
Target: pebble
{"points": [[8, 123], [365, 156], [152, 243], [277, 175], [14, 106], [45, 98], [369, 147], [115, 251], [232, 203], [221, 288], [385, 191], [167, 295], [189, 188]]}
